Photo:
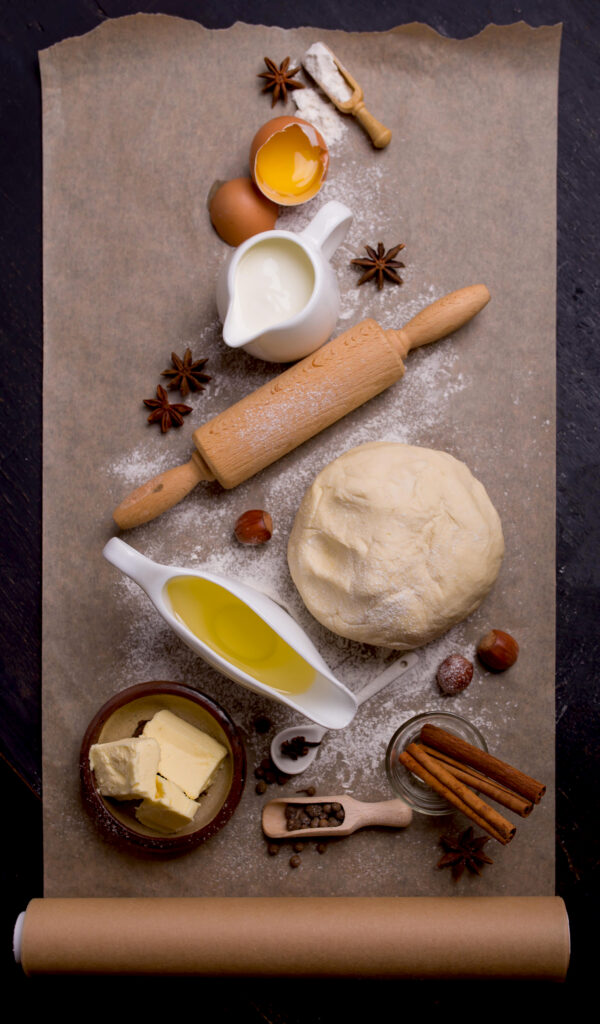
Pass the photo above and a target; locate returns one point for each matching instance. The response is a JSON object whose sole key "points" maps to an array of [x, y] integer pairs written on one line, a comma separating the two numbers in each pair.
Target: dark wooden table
{"points": [[29, 25]]}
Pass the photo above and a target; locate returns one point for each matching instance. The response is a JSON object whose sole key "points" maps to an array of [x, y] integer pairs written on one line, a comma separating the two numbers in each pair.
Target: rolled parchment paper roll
{"points": [[401, 937]]}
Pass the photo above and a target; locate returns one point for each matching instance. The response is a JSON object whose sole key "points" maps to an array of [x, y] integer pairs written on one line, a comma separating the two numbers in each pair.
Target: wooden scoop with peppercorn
{"points": [[329, 816], [299, 403]]}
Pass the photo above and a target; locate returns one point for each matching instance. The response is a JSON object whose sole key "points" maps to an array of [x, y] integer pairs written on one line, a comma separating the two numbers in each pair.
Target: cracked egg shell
{"points": [[238, 211], [289, 160]]}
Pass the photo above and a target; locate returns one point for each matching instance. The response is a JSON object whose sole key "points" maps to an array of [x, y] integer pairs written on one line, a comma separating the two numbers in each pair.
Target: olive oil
{"points": [[231, 629]]}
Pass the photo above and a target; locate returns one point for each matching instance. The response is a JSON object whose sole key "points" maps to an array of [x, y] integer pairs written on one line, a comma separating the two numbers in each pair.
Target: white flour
{"points": [[318, 61], [322, 114]]}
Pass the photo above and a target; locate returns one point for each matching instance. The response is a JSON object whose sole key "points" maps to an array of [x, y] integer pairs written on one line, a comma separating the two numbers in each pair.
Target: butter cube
{"points": [[188, 756], [126, 769], [170, 809]]}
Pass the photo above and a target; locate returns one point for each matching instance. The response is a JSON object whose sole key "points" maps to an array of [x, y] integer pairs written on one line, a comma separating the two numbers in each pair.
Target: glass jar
{"points": [[407, 785]]}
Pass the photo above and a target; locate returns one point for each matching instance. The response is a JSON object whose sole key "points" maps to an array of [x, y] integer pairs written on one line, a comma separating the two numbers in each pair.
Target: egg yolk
{"points": [[287, 163]]}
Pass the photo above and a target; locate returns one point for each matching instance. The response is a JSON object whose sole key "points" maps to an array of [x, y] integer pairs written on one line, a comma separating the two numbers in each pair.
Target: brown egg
{"points": [[288, 160], [238, 211]]}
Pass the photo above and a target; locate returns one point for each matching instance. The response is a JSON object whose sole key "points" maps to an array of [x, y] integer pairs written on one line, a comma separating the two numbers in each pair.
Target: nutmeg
{"points": [[254, 527], [454, 674], [498, 650]]}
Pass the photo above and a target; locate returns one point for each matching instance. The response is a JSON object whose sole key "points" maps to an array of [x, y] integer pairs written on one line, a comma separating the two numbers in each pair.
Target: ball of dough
{"points": [[394, 544]]}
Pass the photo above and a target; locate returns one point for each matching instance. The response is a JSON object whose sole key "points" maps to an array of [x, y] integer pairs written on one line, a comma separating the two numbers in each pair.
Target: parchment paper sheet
{"points": [[524, 937], [139, 118]]}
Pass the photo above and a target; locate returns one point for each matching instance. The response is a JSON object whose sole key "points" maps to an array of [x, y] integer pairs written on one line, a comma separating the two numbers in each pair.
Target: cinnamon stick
{"points": [[491, 766], [452, 798], [455, 792], [477, 781], [460, 796]]}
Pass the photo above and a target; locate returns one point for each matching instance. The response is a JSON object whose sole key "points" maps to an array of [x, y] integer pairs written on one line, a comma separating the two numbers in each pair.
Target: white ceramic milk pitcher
{"points": [[277, 294]]}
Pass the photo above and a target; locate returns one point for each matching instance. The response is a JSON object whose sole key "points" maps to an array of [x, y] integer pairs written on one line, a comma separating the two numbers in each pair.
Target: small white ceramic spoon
{"points": [[315, 733], [393, 813]]}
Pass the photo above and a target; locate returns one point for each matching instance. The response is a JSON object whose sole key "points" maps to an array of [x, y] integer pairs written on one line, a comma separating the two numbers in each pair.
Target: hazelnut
{"points": [[254, 527], [454, 674], [498, 650]]}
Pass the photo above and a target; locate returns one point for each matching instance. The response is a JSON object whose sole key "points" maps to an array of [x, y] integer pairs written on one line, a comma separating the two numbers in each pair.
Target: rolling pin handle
{"points": [[442, 317], [161, 493]]}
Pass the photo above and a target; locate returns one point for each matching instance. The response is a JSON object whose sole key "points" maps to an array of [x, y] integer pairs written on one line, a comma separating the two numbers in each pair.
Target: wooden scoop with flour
{"points": [[299, 403], [325, 72]]}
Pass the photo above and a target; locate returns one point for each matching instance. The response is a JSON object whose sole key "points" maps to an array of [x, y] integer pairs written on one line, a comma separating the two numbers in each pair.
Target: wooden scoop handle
{"points": [[393, 813], [377, 132], [161, 493]]}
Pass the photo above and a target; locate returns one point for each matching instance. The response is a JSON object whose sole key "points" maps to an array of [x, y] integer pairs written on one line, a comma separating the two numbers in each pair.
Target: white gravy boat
{"points": [[263, 625], [277, 294]]}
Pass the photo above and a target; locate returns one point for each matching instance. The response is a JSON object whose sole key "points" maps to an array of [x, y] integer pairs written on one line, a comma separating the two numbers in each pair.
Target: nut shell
{"points": [[254, 527], [498, 650]]}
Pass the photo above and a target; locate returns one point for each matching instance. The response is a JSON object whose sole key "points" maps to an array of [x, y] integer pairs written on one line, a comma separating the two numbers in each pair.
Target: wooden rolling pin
{"points": [[299, 403]]}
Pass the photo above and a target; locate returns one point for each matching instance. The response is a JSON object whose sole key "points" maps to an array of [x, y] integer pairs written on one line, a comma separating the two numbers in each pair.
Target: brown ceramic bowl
{"points": [[119, 718]]}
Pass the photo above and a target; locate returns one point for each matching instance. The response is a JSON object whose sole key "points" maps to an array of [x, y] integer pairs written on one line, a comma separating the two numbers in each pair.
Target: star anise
{"points": [[165, 413], [380, 264], [464, 852], [186, 374], [279, 79]]}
